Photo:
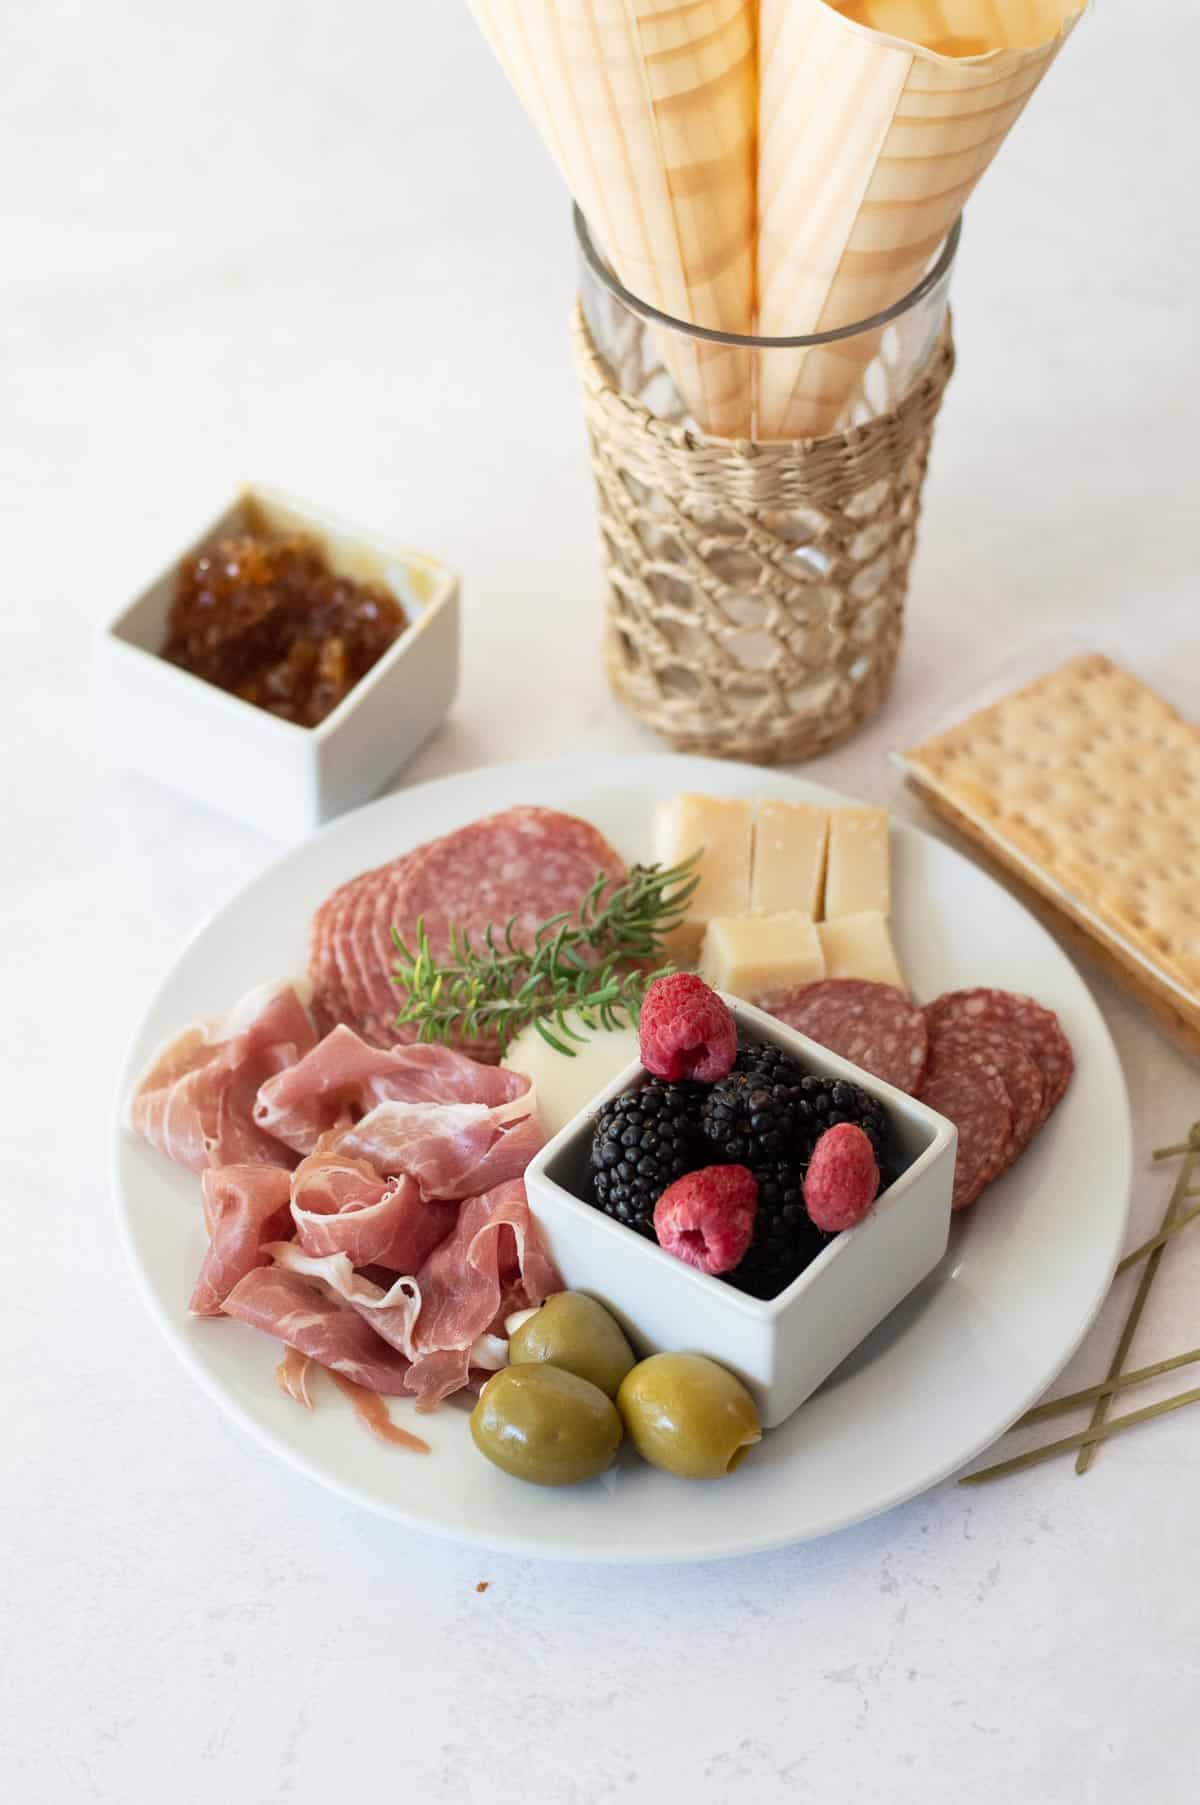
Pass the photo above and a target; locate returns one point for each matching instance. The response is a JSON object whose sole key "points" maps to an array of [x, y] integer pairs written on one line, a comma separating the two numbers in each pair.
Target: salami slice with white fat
{"points": [[523, 865], [1019, 1018], [873, 1025], [1016, 1065], [964, 1084], [351, 954]]}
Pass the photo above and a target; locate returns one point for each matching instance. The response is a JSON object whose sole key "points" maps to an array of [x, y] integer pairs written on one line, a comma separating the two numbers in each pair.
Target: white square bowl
{"points": [[785, 1347], [238, 758]]}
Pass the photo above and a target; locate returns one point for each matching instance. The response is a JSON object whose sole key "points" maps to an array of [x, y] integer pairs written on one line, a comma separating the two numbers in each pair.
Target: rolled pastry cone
{"points": [[649, 109], [876, 120]]}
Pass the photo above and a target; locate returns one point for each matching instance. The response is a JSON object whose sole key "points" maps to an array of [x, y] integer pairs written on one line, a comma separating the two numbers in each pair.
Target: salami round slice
{"points": [[1028, 1021], [965, 1085], [330, 1001], [873, 1025], [1016, 1065], [373, 950], [351, 954], [525, 864]]}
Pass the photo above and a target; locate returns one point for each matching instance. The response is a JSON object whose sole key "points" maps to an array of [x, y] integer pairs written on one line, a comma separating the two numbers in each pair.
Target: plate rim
{"points": [[609, 772]]}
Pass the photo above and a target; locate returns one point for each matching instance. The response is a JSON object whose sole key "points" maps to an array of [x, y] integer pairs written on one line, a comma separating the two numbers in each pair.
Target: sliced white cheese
{"points": [[563, 1086], [750, 955], [788, 870], [860, 946], [858, 866], [723, 826]]}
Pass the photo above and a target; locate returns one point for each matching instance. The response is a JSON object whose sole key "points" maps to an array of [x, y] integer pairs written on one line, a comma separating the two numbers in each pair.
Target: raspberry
{"points": [[686, 1031], [842, 1178], [706, 1218]]}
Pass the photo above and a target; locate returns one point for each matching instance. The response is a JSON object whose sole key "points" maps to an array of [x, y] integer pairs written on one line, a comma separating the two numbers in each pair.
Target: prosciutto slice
{"points": [[491, 1264], [244, 1207], [304, 1314], [451, 1150], [196, 1101], [392, 1311], [344, 1078], [342, 1205]]}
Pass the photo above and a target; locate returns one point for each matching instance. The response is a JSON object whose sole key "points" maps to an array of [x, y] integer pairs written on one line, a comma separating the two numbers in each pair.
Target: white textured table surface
{"points": [[317, 244]]}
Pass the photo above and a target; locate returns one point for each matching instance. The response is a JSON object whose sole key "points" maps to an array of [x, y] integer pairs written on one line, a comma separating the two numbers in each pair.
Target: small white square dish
{"points": [[241, 759], [785, 1347]]}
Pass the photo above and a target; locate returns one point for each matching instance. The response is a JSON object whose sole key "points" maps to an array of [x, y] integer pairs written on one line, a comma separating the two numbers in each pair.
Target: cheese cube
{"points": [[723, 827], [857, 868], [860, 946], [750, 955], [788, 871]]}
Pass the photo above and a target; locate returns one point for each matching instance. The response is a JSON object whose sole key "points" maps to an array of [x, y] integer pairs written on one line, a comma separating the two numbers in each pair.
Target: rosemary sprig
{"points": [[579, 962]]}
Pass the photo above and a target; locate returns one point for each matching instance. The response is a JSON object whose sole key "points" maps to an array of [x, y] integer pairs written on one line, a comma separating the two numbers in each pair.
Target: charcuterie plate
{"points": [[942, 1377]]}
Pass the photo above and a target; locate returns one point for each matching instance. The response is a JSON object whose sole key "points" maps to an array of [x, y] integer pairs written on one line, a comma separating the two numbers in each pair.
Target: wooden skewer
{"points": [[1191, 1145], [1072, 1401], [1087, 1446], [1089, 1438], [1164, 1234]]}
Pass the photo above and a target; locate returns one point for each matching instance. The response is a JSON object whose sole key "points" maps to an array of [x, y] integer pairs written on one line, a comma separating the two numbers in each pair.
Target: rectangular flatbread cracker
{"points": [[1086, 785]]}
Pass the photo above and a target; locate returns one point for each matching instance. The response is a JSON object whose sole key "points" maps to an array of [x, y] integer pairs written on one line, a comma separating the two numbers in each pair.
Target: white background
{"points": [[318, 245]]}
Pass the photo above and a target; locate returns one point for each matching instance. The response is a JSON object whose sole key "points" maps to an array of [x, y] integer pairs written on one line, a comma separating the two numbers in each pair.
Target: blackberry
{"points": [[821, 1103], [643, 1141], [749, 1119], [786, 1240], [766, 1060], [828, 1101]]}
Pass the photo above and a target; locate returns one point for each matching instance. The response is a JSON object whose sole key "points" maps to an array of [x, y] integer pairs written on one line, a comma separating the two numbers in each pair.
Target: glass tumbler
{"points": [[756, 585]]}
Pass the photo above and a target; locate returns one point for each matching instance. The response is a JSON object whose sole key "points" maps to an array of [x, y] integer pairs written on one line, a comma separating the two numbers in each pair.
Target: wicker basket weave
{"points": [[755, 591]]}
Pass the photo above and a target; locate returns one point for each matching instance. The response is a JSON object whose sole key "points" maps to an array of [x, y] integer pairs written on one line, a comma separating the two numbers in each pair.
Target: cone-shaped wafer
{"points": [[649, 108], [876, 120]]}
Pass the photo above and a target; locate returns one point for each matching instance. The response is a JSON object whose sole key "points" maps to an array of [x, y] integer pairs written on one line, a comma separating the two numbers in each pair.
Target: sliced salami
{"points": [[964, 1084], [330, 1002], [1014, 1062], [1036, 1027], [350, 958], [525, 864], [373, 950], [874, 1025]]}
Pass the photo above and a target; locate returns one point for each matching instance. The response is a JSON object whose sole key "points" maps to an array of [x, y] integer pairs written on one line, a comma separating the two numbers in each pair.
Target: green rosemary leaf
{"points": [[495, 987]]}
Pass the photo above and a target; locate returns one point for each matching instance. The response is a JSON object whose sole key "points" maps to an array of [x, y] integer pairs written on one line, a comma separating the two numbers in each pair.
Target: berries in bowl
{"points": [[769, 1215]]}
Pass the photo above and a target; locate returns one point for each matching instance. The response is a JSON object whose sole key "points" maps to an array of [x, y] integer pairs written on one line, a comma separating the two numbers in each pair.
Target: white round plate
{"points": [[947, 1372]]}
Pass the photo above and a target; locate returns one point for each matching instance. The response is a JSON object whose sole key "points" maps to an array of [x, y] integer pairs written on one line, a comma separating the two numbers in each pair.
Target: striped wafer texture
{"points": [[648, 108], [876, 120]]}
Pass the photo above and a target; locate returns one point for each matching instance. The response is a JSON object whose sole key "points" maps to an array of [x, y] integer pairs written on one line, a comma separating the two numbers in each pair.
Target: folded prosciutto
{"points": [[452, 1150], [391, 1311], [342, 1205], [196, 1101], [305, 1315], [244, 1207], [492, 1264], [364, 1206], [343, 1079]]}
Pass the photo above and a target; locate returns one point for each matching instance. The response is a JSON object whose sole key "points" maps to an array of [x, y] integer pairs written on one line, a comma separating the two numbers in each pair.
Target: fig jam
{"points": [[266, 619]]}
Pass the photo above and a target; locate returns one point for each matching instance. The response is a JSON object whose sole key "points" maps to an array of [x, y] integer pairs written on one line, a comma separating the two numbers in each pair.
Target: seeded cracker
{"points": [[1086, 784]]}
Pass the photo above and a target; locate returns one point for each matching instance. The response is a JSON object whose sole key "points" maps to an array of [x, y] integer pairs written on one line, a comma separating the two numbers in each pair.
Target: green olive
{"points": [[545, 1425], [576, 1333], [688, 1415]]}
